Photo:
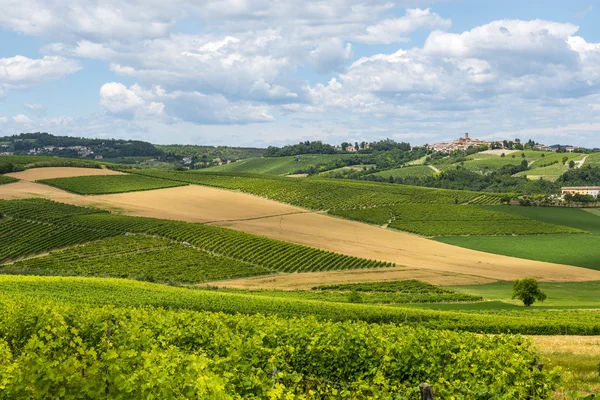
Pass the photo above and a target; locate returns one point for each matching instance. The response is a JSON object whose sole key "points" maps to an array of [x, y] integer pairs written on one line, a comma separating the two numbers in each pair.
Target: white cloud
{"points": [[22, 119], [37, 109], [331, 55], [136, 103], [395, 30], [21, 72]]}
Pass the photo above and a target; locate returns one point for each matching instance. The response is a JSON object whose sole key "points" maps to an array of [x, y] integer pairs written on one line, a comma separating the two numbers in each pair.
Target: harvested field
{"points": [[280, 221], [36, 174], [198, 204], [307, 280]]}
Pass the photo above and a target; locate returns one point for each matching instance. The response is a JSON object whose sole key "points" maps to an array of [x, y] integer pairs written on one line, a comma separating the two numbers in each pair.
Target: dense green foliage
{"points": [[267, 253], [7, 179], [419, 171], [307, 147], [447, 220], [325, 194], [81, 352], [105, 184], [528, 291], [106, 147], [120, 292], [21, 163], [400, 292], [137, 257], [587, 175], [208, 153], [408, 286]]}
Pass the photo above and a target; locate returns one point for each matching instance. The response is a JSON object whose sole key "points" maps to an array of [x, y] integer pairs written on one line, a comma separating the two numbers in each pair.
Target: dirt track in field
{"points": [[36, 174], [256, 215]]}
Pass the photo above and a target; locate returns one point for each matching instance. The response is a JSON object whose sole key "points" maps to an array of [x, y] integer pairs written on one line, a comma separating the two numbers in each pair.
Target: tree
{"points": [[527, 290], [571, 164]]}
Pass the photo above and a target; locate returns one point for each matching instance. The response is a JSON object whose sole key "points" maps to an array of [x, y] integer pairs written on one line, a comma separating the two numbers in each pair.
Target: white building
{"points": [[583, 190]]}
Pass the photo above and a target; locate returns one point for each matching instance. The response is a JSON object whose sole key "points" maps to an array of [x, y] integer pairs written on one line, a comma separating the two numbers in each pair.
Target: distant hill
{"points": [[208, 153], [42, 143]]}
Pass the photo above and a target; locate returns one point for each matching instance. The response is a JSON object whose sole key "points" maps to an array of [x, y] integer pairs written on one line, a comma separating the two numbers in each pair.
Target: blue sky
{"points": [[256, 73]]}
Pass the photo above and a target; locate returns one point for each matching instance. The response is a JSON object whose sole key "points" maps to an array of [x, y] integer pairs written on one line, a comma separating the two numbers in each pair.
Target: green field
{"points": [[450, 220], [418, 171], [564, 295], [578, 250], [577, 218], [20, 163], [279, 165], [107, 184]]}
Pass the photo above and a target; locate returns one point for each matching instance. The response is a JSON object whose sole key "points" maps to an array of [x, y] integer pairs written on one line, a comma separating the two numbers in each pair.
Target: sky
{"points": [[260, 72]]}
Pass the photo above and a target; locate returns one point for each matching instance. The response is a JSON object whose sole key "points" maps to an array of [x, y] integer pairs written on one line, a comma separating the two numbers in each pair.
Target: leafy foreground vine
{"points": [[57, 350]]}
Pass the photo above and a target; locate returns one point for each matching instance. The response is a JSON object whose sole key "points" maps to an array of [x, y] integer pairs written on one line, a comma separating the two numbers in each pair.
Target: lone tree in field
{"points": [[528, 291]]}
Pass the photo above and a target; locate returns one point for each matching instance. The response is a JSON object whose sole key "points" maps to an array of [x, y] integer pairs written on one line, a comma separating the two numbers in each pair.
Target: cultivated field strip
{"points": [[104, 184], [325, 194], [270, 254], [450, 219], [20, 238], [7, 179], [138, 257]]}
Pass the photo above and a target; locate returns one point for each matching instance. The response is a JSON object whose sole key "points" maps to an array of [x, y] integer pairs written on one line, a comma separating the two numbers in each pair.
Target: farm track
{"points": [[268, 218]]}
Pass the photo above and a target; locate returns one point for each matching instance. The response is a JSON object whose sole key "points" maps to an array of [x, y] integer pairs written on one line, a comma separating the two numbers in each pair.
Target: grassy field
{"points": [[279, 165], [580, 250], [418, 171], [106, 184], [577, 218]]}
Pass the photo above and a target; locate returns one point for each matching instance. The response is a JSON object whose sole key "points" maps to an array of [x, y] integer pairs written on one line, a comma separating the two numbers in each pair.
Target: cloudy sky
{"points": [[259, 72]]}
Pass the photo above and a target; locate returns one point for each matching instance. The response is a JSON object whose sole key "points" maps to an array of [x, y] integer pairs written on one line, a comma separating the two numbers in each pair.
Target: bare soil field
{"points": [[268, 218], [307, 280], [35, 174]]}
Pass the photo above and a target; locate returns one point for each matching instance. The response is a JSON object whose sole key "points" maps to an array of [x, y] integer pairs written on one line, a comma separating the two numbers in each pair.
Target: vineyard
{"points": [[448, 220], [325, 194], [19, 238], [6, 179], [21, 163], [269, 254], [137, 257], [205, 355], [106, 184], [438, 295], [127, 293]]}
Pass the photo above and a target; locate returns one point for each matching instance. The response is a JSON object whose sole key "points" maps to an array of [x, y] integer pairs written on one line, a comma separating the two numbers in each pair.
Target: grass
{"points": [[560, 294], [279, 165], [418, 171], [107, 184], [577, 250], [572, 217]]}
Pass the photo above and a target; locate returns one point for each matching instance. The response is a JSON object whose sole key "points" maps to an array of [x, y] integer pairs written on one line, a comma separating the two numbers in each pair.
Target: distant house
{"points": [[98, 157], [187, 160], [583, 190], [462, 143]]}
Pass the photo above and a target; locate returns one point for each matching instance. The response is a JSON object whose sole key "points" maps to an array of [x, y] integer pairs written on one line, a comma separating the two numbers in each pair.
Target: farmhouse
{"points": [[583, 190]]}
